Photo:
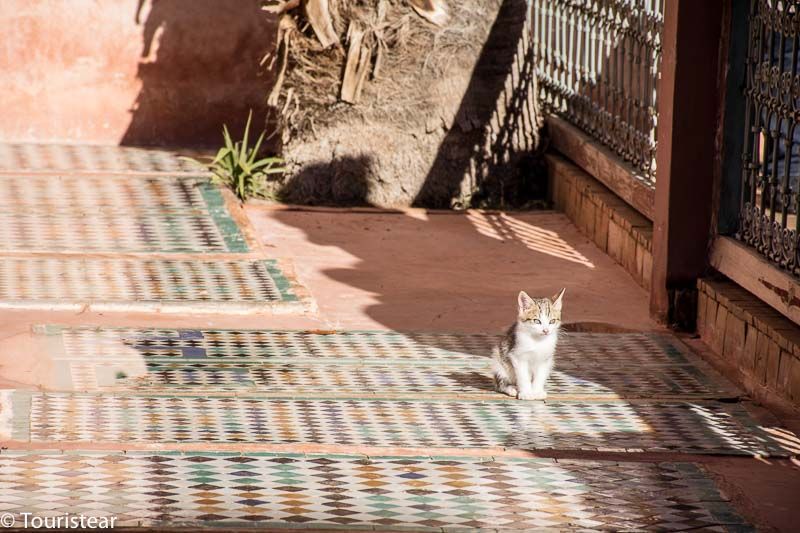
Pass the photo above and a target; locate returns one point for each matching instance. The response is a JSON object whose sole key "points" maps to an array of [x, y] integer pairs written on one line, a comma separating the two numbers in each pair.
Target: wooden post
{"points": [[688, 105]]}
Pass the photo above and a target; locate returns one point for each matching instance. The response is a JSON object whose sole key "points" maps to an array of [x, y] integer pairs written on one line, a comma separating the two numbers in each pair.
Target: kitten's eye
{"points": [[537, 321], [552, 320]]}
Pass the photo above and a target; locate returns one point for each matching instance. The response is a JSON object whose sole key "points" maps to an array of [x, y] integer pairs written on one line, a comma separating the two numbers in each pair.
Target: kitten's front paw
{"points": [[532, 395]]}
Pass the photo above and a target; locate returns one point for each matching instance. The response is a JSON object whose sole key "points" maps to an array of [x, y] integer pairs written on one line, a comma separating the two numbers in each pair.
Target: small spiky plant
{"points": [[238, 167]]}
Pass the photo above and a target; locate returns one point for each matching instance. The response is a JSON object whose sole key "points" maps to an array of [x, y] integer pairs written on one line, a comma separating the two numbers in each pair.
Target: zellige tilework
{"points": [[17, 157], [419, 493], [115, 214], [106, 193], [359, 362], [54, 231], [693, 427], [371, 379], [575, 349], [684, 381], [70, 281]]}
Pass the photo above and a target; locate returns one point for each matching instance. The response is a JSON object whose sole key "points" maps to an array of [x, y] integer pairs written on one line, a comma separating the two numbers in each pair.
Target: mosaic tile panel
{"points": [[575, 349], [92, 158], [42, 231], [115, 215], [351, 379], [657, 426], [90, 280], [106, 193], [369, 362], [419, 493]]}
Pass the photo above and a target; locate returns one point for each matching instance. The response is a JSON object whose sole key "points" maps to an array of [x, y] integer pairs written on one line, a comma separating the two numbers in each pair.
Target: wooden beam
{"points": [[432, 10], [355, 69], [688, 104], [319, 16], [749, 269], [602, 164]]}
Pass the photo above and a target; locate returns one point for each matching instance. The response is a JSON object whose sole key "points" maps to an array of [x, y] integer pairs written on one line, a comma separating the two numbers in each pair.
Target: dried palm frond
{"points": [[328, 50]]}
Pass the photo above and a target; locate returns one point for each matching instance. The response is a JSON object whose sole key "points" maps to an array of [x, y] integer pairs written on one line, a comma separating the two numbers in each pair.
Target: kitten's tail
{"points": [[502, 378]]}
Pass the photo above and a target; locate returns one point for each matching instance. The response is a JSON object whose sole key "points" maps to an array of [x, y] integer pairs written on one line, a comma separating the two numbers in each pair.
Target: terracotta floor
{"points": [[353, 393], [448, 272]]}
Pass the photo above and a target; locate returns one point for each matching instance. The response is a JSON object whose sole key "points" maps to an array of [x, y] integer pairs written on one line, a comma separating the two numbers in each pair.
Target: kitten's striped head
{"points": [[542, 316]]}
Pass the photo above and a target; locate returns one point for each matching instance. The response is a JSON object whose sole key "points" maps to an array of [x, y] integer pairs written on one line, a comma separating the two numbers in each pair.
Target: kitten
{"points": [[523, 359]]}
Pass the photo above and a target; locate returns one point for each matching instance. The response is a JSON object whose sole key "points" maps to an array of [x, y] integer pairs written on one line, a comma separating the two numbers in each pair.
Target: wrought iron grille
{"points": [[598, 62], [770, 163]]}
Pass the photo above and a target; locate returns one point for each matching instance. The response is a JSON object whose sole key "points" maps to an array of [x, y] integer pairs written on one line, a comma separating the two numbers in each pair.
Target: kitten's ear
{"points": [[558, 298], [525, 302]]}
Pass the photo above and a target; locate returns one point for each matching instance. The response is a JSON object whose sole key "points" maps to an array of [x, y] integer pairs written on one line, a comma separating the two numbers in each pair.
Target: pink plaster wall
{"points": [[88, 71]]}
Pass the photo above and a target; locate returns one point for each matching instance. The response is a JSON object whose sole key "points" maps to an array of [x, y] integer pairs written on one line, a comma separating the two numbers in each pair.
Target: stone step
{"points": [[116, 214], [147, 284]]}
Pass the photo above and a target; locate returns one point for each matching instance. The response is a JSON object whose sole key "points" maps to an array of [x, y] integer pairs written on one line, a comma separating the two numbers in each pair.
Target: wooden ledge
{"points": [[602, 164], [752, 271]]}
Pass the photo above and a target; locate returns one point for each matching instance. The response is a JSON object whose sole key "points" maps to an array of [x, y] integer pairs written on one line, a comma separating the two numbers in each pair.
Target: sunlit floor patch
{"points": [[142, 284], [506, 227], [692, 427], [421, 493]]}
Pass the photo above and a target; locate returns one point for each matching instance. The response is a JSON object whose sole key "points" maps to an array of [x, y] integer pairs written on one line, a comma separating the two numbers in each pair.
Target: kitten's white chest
{"points": [[533, 348]]}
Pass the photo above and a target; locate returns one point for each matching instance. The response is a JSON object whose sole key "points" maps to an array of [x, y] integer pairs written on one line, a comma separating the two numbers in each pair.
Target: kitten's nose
{"points": [[545, 331]]}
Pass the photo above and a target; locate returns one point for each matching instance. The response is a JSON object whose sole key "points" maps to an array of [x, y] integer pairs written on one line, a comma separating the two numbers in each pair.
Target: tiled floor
{"points": [[377, 363], [31, 157], [61, 281], [190, 393], [115, 214], [428, 380], [54, 231], [78, 225], [707, 427], [108, 192], [575, 349], [356, 492]]}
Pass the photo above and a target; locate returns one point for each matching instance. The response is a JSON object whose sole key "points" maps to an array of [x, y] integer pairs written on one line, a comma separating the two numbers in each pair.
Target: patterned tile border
{"points": [[688, 427], [34, 157], [215, 203], [356, 492], [147, 284], [116, 214], [343, 364]]}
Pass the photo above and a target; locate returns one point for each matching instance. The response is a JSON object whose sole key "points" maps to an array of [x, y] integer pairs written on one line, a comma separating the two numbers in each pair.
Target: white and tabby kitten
{"points": [[523, 358]]}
